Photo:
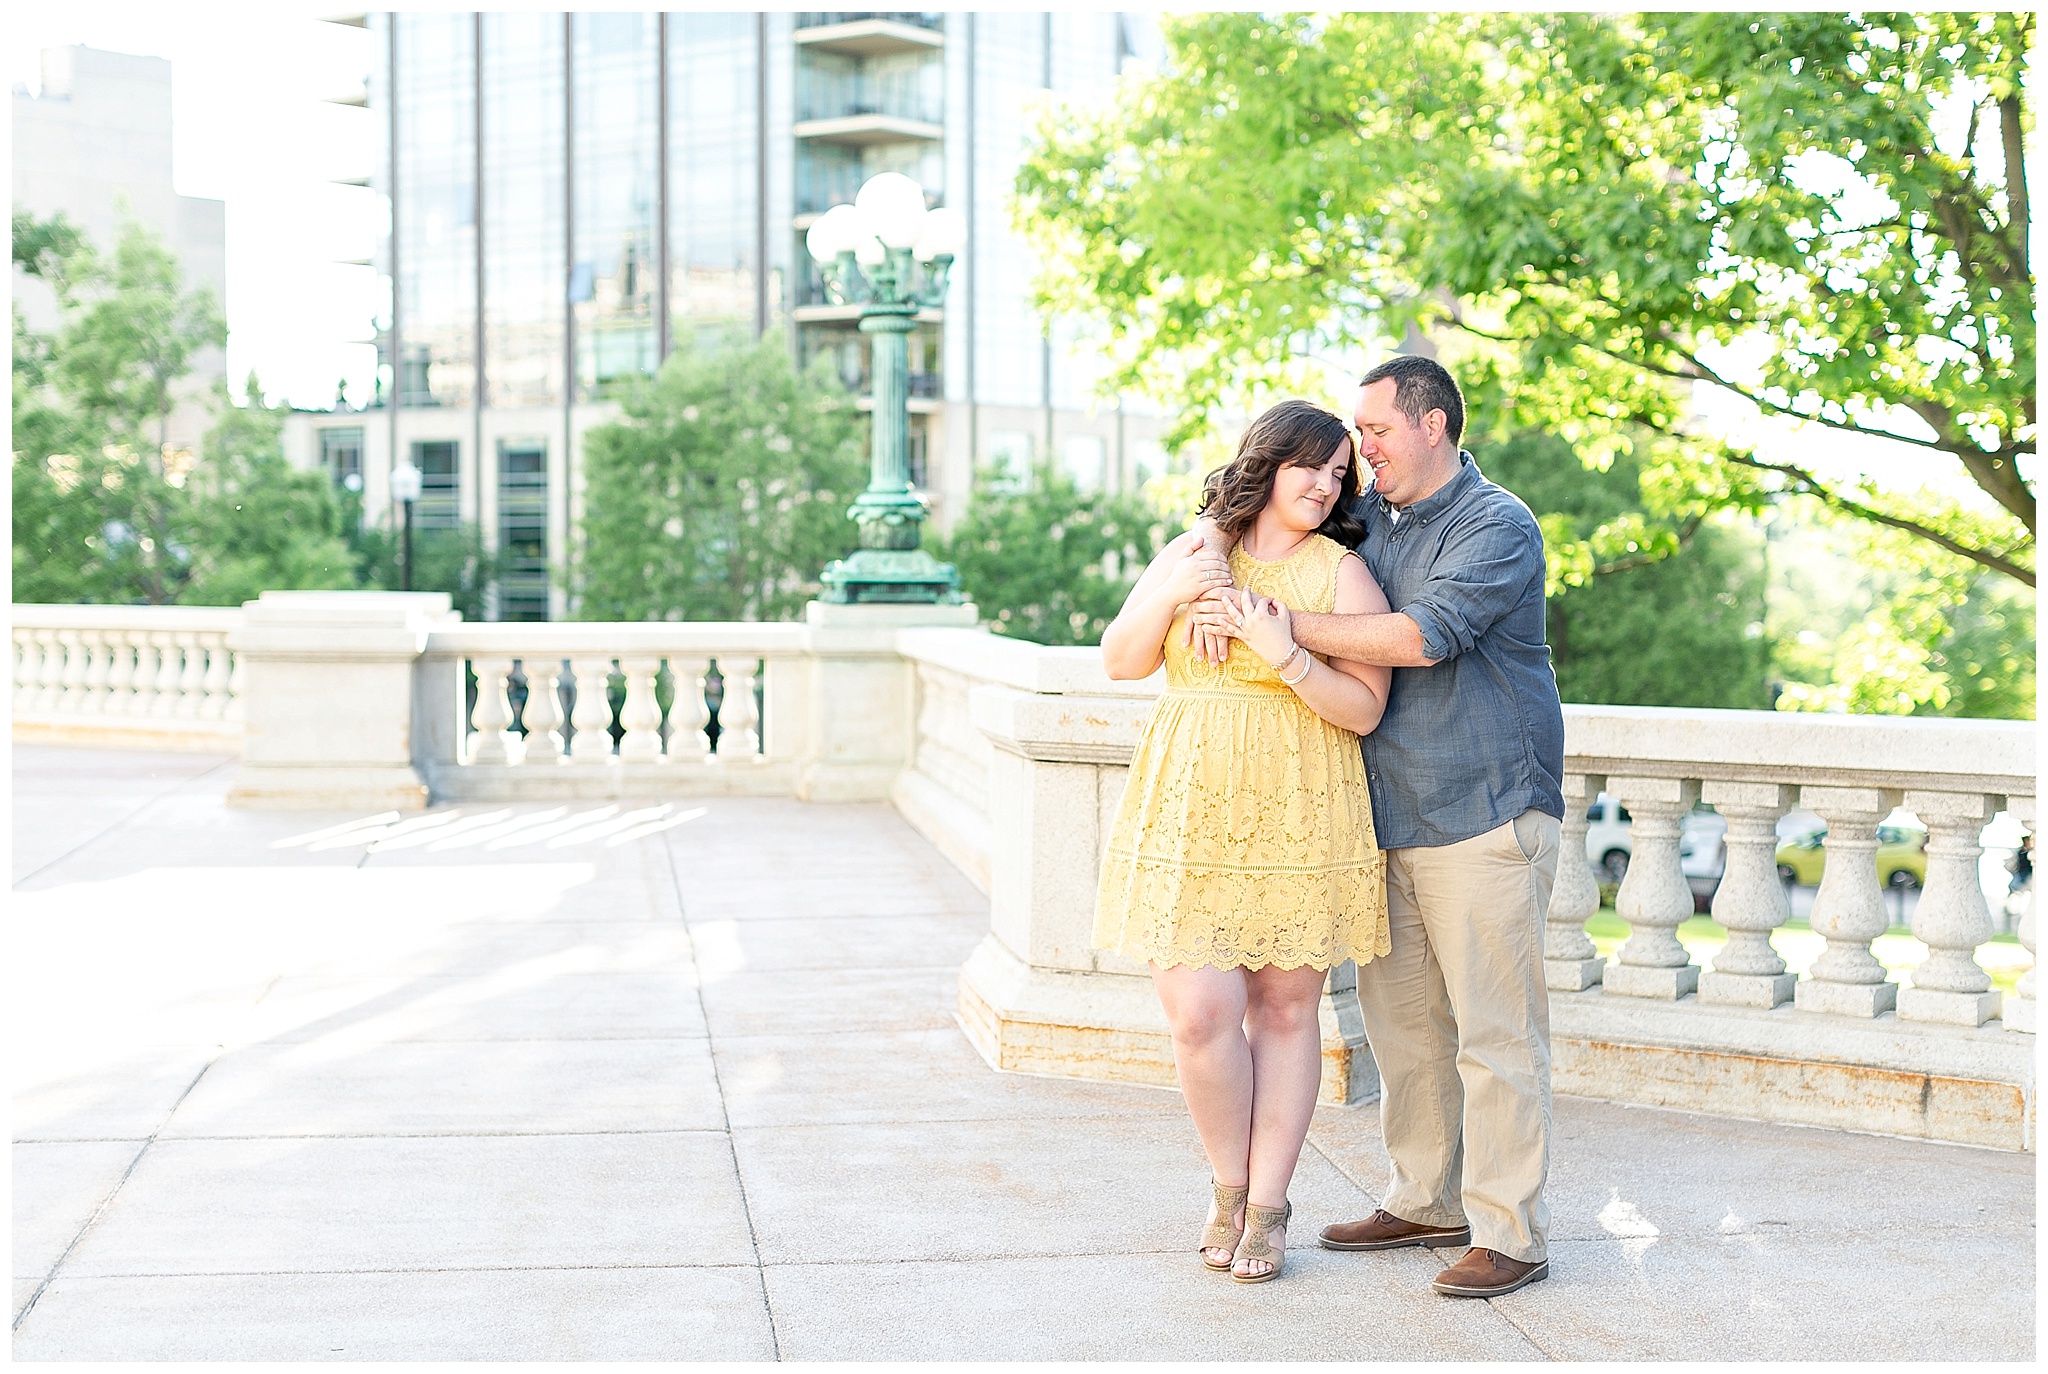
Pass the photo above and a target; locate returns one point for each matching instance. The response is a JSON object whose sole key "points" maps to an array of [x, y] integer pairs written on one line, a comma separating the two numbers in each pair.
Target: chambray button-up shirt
{"points": [[1478, 739]]}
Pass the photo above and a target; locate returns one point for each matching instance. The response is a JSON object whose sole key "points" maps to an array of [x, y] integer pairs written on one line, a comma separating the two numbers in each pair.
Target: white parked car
{"points": [[1700, 855]]}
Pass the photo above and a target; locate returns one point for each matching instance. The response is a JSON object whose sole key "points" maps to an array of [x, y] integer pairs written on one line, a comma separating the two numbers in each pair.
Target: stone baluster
{"points": [[49, 671], [641, 715], [192, 683], [688, 717], [1570, 963], [1654, 898], [170, 671], [233, 710], [142, 681], [120, 680], [2018, 1009], [542, 713], [213, 701], [1750, 901], [1951, 918], [99, 658], [739, 719], [593, 714], [1848, 907], [71, 686], [28, 670], [493, 711]]}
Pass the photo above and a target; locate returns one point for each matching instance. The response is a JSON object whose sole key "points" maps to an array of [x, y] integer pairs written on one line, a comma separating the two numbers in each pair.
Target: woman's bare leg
{"points": [[1206, 1009], [1284, 1034]]}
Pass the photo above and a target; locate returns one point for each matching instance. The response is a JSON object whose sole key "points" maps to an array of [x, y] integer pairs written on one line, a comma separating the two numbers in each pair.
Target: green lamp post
{"points": [[888, 254]]}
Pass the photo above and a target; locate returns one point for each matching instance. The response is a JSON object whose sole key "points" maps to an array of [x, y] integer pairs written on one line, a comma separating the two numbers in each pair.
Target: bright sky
{"points": [[251, 125]]}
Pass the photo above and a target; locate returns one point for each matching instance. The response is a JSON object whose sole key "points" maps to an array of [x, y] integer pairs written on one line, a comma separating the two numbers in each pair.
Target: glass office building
{"points": [[575, 196]]}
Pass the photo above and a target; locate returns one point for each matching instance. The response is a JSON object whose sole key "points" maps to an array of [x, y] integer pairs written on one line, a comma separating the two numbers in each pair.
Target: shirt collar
{"points": [[1444, 497]]}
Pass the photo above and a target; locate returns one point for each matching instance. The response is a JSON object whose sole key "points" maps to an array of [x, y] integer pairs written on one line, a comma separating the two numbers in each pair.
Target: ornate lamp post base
{"points": [[896, 576]]}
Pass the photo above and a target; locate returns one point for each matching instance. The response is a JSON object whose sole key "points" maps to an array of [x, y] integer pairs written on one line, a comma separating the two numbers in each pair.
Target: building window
{"points": [[1084, 457], [1006, 465], [437, 209], [523, 530], [341, 454], [614, 266], [440, 465]]}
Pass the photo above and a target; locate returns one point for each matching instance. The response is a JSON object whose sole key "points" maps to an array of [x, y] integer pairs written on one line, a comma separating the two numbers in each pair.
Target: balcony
{"points": [[476, 1004], [858, 128], [870, 35]]}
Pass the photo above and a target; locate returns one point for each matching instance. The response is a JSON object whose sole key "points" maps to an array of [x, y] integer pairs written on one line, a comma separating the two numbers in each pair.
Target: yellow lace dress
{"points": [[1245, 835]]}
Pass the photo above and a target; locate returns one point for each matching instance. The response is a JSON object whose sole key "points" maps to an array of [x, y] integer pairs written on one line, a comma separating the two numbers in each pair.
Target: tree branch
{"points": [[1646, 558], [2018, 223], [1993, 471], [1814, 487]]}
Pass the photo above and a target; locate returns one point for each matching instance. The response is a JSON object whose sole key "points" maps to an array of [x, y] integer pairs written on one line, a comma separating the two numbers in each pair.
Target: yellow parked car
{"points": [[1901, 857]]}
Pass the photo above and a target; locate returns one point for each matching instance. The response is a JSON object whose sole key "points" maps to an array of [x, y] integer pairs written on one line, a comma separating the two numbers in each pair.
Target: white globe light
{"points": [[835, 232], [870, 252], [892, 205], [945, 232], [405, 483]]}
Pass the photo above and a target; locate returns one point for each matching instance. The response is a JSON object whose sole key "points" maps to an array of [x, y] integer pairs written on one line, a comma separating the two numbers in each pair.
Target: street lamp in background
{"points": [[889, 255], [405, 489]]}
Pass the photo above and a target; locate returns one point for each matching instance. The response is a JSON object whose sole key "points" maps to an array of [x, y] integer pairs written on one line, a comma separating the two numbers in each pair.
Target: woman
{"points": [[1242, 864]]}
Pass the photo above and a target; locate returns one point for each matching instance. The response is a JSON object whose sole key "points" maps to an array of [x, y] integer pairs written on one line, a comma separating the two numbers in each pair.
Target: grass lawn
{"points": [[2003, 957]]}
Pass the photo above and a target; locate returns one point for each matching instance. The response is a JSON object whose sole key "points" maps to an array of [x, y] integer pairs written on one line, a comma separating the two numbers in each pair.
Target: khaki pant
{"points": [[1458, 1018]]}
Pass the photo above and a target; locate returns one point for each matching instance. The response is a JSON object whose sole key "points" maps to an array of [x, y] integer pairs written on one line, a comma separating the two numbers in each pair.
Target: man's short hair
{"points": [[1420, 386]]}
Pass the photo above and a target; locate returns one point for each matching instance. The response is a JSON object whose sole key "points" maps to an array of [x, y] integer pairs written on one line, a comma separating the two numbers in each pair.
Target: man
{"points": [[1466, 772]]}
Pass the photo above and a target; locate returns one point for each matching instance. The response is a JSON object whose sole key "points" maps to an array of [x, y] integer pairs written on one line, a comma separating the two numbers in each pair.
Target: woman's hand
{"points": [[1265, 626]]}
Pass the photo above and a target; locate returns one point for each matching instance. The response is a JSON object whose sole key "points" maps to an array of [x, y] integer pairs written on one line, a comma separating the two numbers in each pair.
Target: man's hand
{"points": [[1204, 630], [1211, 627], [1199, 572]]}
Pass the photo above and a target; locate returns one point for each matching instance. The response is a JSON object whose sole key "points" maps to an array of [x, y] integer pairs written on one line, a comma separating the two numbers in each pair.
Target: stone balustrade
{"points": [[146, 677], [1011, 758]]}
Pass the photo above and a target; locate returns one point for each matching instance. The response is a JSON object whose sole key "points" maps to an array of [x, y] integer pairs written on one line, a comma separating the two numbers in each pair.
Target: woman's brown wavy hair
{"points": [[1293, 434]]}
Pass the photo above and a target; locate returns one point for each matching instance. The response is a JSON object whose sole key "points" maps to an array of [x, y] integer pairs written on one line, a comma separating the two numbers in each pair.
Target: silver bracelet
{"points": [[1308, 666]]}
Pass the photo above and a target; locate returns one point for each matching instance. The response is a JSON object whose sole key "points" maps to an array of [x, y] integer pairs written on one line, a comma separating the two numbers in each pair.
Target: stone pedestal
{"points": [[860, 726], [1948, 1008], [1747, 989], [1846, 999], [328, 698]]}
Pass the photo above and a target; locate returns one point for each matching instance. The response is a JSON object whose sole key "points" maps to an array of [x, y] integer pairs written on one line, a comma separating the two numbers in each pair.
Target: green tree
{"points": [[1825, 214], [252, 522], [104, 508], [722, 493], [1638, 615], [1052, 564]]}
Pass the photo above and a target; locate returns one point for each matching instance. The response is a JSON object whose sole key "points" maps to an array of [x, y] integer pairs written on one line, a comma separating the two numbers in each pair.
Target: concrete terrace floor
{"points": [[691, 1087]]}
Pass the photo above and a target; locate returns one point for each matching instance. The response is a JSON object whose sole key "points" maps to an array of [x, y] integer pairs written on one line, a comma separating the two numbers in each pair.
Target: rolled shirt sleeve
{"points": [[1485, 574]]}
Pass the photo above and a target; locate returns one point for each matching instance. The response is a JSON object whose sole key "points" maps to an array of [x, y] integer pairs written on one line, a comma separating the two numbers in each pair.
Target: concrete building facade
{"points": [[95, 145], [573, 197]]}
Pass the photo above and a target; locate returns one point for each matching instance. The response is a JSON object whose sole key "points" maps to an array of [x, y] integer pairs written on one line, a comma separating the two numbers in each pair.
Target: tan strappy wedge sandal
{"points": [[1258, 1223], [1220, 1234]]}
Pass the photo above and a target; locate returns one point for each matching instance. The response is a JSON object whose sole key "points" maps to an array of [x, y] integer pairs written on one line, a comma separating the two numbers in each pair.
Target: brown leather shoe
{"points": [[1385, 1231], [1485, 1273]]}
